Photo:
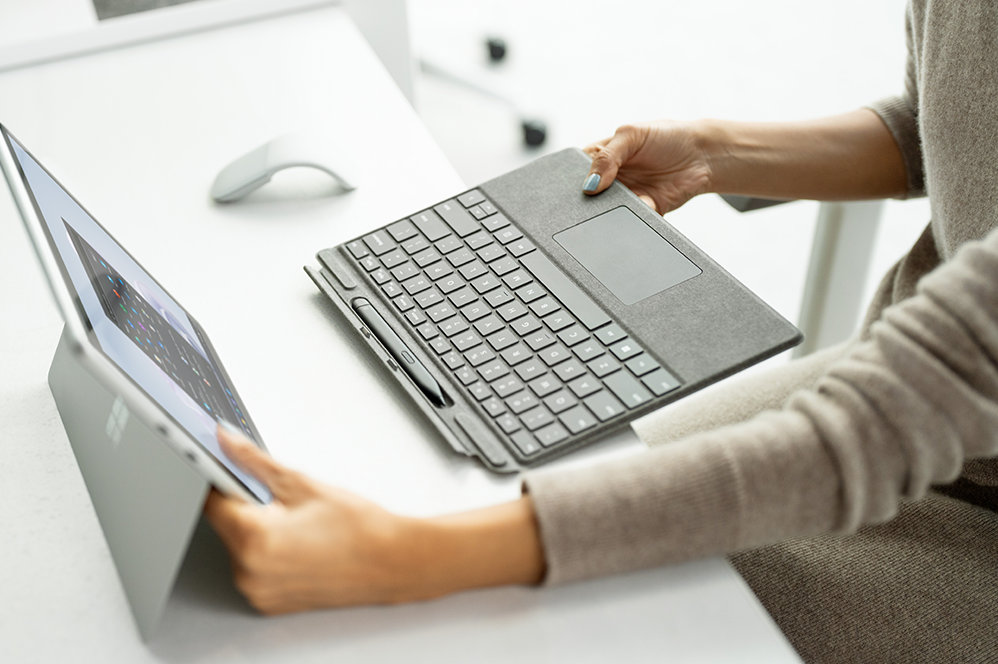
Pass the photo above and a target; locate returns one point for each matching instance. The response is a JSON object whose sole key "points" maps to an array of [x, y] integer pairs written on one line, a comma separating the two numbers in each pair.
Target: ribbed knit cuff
{"points": [[902, 121]]}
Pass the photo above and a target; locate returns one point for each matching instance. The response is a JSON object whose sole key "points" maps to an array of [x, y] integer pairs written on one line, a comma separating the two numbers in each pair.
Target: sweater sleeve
{"points": [[902, 411], [900, 114]]}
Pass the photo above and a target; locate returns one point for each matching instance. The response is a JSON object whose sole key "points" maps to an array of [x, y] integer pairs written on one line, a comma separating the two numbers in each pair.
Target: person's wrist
{"points": [[713, 141]]}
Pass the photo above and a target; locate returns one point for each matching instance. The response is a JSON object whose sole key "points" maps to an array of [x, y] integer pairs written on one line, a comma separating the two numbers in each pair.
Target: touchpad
{"points": [[626, 255]]}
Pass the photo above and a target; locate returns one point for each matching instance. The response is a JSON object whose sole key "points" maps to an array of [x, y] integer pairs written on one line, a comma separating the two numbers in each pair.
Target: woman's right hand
{"points": [[663, 162]]}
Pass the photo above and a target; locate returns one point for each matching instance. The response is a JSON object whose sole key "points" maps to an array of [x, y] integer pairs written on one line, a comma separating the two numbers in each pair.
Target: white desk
{"points": [[138, 135]]}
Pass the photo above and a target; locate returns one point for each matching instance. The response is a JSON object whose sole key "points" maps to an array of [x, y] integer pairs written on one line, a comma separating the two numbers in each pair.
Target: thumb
{"points": [[287, 485], [609, 156]]}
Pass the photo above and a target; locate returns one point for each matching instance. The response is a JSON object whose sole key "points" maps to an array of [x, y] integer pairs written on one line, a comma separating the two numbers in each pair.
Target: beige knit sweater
{"points": [[901, 409]]}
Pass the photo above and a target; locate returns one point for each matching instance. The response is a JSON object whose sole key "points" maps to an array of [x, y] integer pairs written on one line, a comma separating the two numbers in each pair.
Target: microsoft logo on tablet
{"points": [[116, 421]]}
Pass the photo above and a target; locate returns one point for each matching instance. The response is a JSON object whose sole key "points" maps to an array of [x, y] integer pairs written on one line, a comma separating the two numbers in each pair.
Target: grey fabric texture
{"points": [[822, 478]]}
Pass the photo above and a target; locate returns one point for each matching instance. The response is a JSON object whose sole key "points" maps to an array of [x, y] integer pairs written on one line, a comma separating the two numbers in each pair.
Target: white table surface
{"points": [[138, 135]]}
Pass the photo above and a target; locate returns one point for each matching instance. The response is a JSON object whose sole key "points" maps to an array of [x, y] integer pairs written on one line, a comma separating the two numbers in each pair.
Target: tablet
{"points": [[130, 333]]}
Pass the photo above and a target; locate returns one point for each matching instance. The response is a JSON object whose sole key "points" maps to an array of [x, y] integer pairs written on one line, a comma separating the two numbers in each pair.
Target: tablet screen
{"points": [[135, 323]]}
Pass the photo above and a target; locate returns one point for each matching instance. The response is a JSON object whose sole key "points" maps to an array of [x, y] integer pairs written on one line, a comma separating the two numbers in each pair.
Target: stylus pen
{"points": [[405, 358]]}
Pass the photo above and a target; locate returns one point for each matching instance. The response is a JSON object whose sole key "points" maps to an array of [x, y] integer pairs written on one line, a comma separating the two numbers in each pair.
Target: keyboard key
{"points": [[507, 386], [560, 401], [573, 335], [450, 283], [491, 253], [404, 303], [426, 257], [462, 297], [478, 240], [391, 289], [627, 389], [488, 325], [428, 298], [544, 306], [381, 275], [466, 375], [516, 279], [453, 360], [497, 298], [536, 418], [495, 222], [415, 245], [552, 355], [453, 326], [473, 197], [569, 370], [508, 234], [358, 249], [479, 356], [402, 230], [511, 311], [502, 339], [625, 349], [476, 310], [641, 364], [430, 224], [604, 366], [473, 270], [520, 247], [439, 312], [486, 283], [583, 386], [460, 257], [587, 350], [466, 340], [439, 270], [455, 216], [530, 369], [660, 381], [480, 391], [448, 244], [427, 331], [571, 296], [604, 405], [508, 423], [489, 208], [526, 325], [558, 321], [440, 345], [530, 293], [551, 435], [370, 263], [477, 212], [494, 406], [379, 242], [490, 371], [539, 340], [515, 354], [609, 334], [526, 443], [404, 272], [577, 419], [416, 285], [544, 385], [522, 401], [415, 317], [504, 265]]}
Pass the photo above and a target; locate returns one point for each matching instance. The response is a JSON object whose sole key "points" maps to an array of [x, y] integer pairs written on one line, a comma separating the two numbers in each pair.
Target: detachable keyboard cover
{"points": [[534, 356]]}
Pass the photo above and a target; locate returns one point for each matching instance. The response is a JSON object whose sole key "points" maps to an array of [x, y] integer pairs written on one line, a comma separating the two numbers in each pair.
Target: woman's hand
{"points": [[663, 162], [317, 546]]}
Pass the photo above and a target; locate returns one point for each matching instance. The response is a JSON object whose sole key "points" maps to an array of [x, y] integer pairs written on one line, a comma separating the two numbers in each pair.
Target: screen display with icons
{"points": [[135, 323]]}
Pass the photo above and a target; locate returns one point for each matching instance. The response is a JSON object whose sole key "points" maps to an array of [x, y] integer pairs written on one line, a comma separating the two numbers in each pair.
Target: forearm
{"points": [[851, 156], [492, 546]]}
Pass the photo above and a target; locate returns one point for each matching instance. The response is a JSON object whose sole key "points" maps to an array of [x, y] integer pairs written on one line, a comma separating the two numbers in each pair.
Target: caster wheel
{"points": [[535, 132], [497, 49]]}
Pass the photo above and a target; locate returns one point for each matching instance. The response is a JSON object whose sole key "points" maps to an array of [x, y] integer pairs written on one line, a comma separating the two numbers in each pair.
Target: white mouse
{"points": [[255, 168]]}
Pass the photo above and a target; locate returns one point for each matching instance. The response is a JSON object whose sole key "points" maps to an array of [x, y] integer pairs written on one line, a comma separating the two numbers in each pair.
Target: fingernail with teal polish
{"points": [[591, 183]]}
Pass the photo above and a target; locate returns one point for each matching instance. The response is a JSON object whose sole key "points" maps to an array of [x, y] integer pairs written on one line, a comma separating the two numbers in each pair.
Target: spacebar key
{"points": [[581, 305]]}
